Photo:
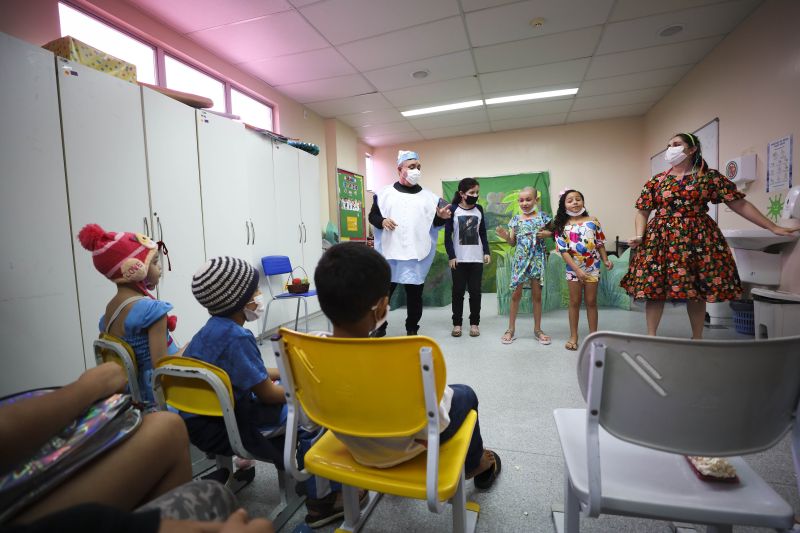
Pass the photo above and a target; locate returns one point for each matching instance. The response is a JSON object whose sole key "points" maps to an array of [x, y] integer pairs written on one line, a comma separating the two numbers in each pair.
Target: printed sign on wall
{"points": [[350, 193]]}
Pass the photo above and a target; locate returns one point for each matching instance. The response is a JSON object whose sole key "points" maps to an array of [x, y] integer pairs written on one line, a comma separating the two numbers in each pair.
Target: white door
{"points": [[104, 152], [39, 324], [171, 140], [311, 221]]}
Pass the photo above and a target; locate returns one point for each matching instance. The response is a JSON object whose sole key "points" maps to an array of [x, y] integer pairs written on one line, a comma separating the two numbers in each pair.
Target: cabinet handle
{"points": [[247, 227], [305, 232], [300, 233], [146, 226], [254, 231], [160, 239], [160, 229]]}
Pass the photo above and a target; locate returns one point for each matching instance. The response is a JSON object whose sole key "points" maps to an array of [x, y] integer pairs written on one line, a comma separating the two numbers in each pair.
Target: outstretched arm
{"points": [[26, 425], [747, 210]]}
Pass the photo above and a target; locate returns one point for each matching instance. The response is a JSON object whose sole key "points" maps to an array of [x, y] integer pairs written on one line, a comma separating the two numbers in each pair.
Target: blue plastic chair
{"points": [[274, 265]]}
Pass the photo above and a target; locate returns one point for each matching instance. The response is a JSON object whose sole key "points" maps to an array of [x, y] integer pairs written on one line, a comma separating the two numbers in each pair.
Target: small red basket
{"points": [[297, 288]]}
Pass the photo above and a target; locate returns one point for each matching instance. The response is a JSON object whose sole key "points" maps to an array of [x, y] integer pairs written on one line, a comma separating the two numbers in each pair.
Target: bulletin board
{"points": [[350, 206], [709, 142]]}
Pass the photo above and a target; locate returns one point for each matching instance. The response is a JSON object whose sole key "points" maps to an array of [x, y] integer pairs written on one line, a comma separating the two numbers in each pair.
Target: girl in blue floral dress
{"points": [[526, 232], [581, 242]]}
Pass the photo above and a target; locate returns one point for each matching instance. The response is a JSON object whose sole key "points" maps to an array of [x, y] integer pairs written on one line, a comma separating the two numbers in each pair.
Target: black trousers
{"points": [[467, 276], [413, 306]]}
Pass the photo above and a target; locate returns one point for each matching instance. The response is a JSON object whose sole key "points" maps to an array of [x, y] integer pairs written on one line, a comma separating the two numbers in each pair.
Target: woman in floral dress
{"points": [[682, 254]]}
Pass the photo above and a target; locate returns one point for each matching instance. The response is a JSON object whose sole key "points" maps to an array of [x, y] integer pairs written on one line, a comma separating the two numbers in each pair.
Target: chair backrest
{"points": [[692, 397], [193, 386], [363, 387], [276, 264], [110, 348]]}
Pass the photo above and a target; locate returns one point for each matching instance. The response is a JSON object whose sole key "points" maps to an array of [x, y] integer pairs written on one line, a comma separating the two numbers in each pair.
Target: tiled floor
{"points": [[519, 385]]}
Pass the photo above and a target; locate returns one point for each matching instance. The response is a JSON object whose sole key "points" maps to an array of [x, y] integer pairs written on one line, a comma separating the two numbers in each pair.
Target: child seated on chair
{"points": [[228, 288], [353, 288]]}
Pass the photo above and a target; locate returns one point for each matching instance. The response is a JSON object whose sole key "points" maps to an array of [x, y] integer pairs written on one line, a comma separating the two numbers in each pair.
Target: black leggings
{"points": [[467, 276], [413, 305]]}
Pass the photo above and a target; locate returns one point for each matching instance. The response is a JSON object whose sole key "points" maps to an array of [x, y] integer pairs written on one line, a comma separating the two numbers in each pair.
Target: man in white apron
{"points": [[407, 219]]}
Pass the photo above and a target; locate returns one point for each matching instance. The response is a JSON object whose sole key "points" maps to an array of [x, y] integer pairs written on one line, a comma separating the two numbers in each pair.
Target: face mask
{"points": [[252, 315], [380, 321], [675, 155], [413, 175], [530, 211], [471, 200], [576, 213]]}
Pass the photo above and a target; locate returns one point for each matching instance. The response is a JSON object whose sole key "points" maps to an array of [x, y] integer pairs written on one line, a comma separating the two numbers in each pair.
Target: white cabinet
{"points": [[174, 177], [101, 119], [309, 199], [40, 337]]}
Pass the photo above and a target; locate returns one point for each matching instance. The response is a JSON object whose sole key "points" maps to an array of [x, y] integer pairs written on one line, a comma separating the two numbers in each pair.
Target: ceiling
{"points": [[354, 59]]}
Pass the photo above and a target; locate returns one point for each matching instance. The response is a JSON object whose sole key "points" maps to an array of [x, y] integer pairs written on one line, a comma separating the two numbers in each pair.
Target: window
{"points": [[103, 37], [182, 77], [369, 172], [251, 110]]}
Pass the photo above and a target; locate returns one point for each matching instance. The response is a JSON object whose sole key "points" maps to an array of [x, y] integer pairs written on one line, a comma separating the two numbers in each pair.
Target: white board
{"points": [[709, 143]]}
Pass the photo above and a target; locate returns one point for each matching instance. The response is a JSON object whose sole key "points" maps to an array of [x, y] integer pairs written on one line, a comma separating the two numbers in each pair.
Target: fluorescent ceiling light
{"points": [[531, 96], [440, 108]]}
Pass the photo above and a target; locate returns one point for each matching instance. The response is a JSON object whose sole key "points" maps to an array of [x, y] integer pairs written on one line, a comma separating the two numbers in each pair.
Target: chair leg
{"points": [[264, 327], [354, 516], [568, 521], [465, 515], [290, 501], [297, 314], [305, 306]]}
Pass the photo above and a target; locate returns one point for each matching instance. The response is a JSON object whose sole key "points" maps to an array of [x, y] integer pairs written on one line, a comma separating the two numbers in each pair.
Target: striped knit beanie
{"points": [[224, 285], [122, 257]]}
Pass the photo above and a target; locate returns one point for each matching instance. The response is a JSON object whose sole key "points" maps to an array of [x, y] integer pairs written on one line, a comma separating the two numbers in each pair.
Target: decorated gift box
{"points": [[75, 50]]}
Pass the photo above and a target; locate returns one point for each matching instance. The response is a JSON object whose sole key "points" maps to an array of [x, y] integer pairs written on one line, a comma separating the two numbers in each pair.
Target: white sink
{"points": [[754, 239]]}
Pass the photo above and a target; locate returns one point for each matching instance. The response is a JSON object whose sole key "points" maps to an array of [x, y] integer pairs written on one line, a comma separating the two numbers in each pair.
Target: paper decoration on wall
{"points": [[775, 207]]}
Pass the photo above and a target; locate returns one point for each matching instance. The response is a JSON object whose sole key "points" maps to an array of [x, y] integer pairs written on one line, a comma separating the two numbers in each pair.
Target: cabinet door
{"points": [[171, 140], [40, 328], [260, 178], [101, 119], [310, 212]]}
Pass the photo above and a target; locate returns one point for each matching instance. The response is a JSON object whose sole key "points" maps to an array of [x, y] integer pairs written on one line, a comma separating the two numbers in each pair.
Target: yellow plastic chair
{"points": [[389, 387], [109, 348], [200, 388]]}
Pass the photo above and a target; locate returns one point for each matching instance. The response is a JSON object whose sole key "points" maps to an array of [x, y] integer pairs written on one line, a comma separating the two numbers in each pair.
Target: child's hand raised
{"points": [[502, 233]]}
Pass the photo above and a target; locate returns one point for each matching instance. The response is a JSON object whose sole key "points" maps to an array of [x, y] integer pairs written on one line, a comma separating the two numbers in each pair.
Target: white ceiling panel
{"points": [[420, 42], [336, 21], [641, 96], [631, 9], [524, 110], [529, 122], [444, 92], [511, 22], [440, 68], [656, 57], [699, 22], [380, 116], [301, 3], [451, 118], [634, 110], [565, 72], [474, 5], [629, 82], [271, 36], [538, 51], [192, 15], [327, 89], [348, 106], [378, 130], [457, 131], [397, 138], [305, 66]]}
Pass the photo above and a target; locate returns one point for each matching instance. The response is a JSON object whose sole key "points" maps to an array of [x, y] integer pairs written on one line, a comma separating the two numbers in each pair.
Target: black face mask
{"points": [[471, 200]]}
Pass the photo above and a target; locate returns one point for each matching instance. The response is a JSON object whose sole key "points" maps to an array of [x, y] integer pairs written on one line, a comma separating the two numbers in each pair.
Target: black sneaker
{"points": [[323, 511], [381, 331]]}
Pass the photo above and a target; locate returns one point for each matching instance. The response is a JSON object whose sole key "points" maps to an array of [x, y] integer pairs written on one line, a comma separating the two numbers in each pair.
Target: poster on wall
{"points": [[350, 206], [779, 164]]}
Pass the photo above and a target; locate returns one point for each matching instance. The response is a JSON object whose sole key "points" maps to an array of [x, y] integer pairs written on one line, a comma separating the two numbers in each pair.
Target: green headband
{"points": [[691, 138]]}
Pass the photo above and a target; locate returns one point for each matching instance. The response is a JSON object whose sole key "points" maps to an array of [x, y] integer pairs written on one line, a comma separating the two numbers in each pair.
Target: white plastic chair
{"points": [[653, 400], [197, 387]]}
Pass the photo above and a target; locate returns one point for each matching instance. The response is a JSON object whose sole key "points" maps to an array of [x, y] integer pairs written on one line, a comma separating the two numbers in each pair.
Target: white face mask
{"points": [[675, 155], [252, 315], [380, 321], [576, 213], [413, 175]]}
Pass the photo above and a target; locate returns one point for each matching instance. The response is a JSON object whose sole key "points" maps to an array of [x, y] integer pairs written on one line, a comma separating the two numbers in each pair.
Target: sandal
{"points": [[542, 337], [485, 479], [456, 331], [508, 337], [571, 345], [474, 331]]}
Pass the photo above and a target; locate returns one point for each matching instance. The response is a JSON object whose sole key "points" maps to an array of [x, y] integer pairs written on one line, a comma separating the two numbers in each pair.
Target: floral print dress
{"points": [[581, 241], [683, 255], [529, 253]]}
